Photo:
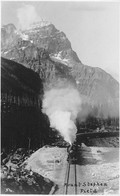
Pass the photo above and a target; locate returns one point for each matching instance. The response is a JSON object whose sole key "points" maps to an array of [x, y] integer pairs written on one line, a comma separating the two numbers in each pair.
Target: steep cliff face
{"points": [[48, 52]]}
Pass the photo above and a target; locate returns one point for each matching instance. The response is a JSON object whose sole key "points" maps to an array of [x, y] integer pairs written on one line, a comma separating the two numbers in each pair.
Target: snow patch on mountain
{"points": [[5, 52], [39, 24], [23, 48], [24, 37], [59, 59], [58, 55], [77, 82], [32, 31]]}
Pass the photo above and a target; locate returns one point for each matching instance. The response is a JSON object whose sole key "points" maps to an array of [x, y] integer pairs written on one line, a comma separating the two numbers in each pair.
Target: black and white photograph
{"points": [[60, 97]]}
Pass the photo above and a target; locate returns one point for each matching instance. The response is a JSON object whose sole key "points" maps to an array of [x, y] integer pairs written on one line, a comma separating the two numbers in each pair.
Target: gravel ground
{"points": [[97, 171], [16, 179]]}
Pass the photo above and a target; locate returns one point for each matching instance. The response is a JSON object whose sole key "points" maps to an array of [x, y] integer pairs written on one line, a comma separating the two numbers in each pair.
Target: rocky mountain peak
{"points": [[48, 51], [41, 35], [9, 28], [40, 24], [41, 27]]}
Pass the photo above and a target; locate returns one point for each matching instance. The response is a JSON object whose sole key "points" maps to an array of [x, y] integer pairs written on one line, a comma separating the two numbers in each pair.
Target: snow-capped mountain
{"points": [[38, 35], [47, 51]]}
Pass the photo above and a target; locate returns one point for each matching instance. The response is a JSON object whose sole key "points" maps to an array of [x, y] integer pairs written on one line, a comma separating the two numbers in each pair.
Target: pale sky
{"points": [[91, 27]]}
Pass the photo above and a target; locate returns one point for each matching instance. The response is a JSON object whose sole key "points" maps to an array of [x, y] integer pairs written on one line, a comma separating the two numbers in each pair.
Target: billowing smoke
{"points": [[62, 106], [27, 15]]}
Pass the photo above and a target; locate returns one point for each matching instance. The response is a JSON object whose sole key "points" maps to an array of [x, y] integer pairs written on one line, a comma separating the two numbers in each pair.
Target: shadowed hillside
{"points": [[21, 96]]}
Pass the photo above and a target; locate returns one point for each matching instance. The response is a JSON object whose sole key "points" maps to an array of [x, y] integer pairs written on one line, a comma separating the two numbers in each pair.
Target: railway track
{"points": [[70, 183]]}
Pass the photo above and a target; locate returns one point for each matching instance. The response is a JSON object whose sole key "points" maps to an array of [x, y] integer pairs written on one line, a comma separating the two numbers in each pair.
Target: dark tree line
{"points": [[23, 126], [92, 123], [22, 122]]}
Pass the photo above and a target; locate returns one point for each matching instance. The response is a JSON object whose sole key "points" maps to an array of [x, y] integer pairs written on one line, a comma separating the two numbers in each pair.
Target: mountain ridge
{"points": [[47, 51]]}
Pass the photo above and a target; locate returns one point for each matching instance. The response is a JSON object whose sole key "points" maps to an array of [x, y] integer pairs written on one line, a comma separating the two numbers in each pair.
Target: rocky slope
{"points": [[47, 51]]}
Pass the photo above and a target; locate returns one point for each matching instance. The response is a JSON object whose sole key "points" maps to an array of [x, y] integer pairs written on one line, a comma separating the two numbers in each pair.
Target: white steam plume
{"points": [[26, 16], [62, 106]]}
